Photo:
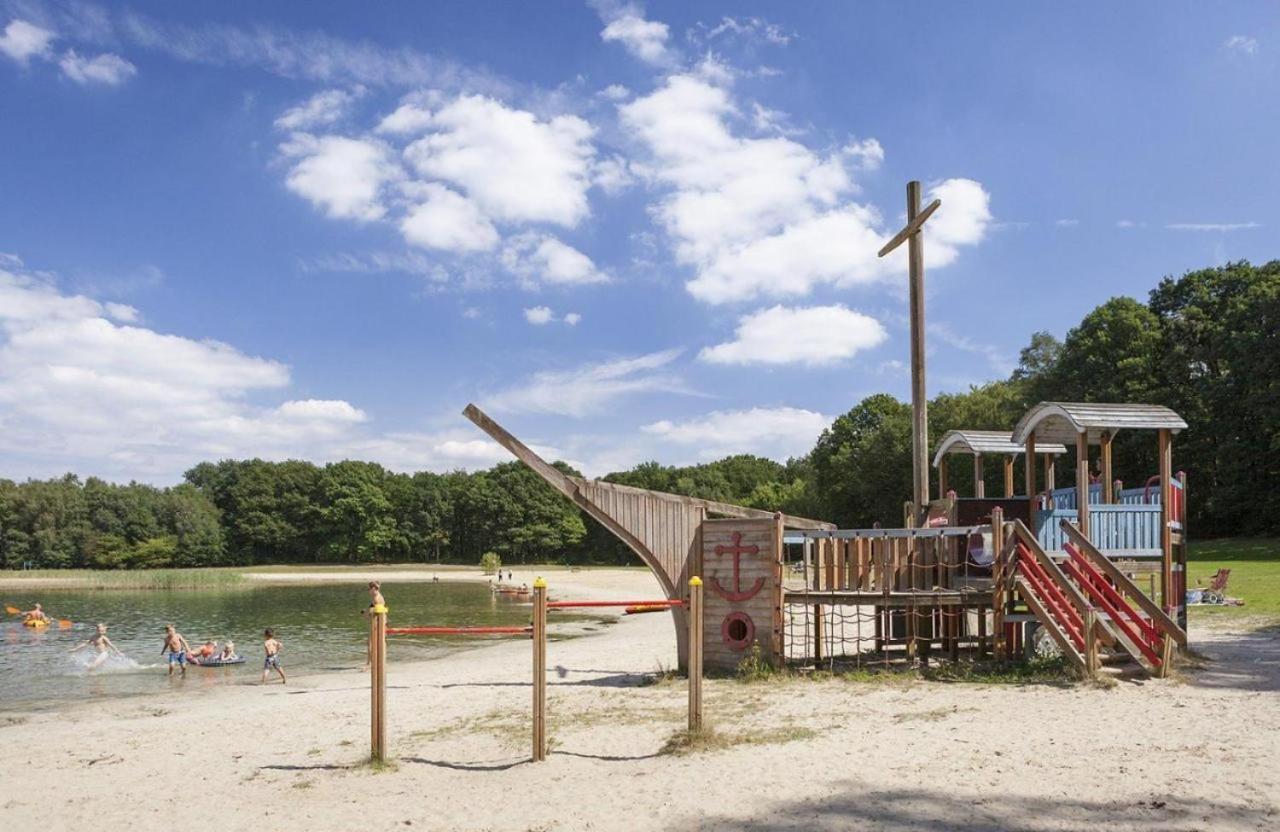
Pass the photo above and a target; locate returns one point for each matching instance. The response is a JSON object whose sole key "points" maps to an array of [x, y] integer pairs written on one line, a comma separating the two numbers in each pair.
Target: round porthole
{"points": [[738, 630]]}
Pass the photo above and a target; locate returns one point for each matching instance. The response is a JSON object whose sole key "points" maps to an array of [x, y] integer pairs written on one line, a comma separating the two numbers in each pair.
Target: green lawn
{"points": [[1255, 576]]}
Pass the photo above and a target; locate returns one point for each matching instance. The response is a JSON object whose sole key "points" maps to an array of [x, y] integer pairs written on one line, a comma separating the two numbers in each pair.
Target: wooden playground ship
{"points": [[973, 574]]}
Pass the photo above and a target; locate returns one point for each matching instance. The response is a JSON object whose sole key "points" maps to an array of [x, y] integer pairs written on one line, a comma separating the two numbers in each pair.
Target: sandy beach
{"points": [[1199, 752]]}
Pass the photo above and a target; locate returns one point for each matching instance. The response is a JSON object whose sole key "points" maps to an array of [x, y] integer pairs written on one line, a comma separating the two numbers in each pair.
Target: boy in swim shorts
{"points": [[175, 648], [98, 641], [271, 646]]}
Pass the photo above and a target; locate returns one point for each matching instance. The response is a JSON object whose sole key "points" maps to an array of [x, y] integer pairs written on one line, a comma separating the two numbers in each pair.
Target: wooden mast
{"points": [[910, 234]]}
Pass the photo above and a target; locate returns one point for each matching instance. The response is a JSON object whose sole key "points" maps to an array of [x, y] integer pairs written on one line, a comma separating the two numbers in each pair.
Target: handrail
{"points": [[1114, 606], [1069, 619], [1158, 616], [1064, 642], [1025, 535]]}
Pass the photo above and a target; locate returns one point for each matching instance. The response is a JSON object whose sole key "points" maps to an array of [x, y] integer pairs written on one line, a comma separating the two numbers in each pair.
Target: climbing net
{"points": [[878, 596]]}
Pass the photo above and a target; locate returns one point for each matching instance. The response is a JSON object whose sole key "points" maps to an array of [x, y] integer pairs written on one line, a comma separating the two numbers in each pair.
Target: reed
{"points": [[163, 579]]}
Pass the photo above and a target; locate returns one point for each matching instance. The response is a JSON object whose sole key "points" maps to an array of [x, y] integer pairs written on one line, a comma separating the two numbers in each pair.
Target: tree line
{"points": [[1206, 344]]}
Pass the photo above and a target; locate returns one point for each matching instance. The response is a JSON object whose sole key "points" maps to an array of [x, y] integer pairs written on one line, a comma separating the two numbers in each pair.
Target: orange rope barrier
{"points": [[459, 631], [563, 605]]}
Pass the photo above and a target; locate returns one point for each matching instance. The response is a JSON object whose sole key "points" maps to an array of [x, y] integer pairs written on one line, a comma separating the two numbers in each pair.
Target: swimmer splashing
{"points": [[99, 642]]}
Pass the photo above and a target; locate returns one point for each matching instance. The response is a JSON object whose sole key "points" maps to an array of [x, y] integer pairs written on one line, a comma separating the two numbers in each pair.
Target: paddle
{"points": [[63, 623]]}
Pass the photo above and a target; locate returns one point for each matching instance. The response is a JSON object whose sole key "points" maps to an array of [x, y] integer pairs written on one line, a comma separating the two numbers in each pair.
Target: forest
{"points": [[1206, 344]]}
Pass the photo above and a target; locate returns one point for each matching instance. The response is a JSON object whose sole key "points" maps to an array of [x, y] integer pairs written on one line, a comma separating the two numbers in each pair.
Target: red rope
{"points": [[564, 605], [459, 631]]}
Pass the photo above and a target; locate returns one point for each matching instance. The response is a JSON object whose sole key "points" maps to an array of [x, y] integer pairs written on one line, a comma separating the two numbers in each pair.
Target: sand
{"points": [[1202, 752]]}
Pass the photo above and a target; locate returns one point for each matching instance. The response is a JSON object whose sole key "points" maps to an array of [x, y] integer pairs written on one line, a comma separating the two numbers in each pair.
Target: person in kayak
{"points": [[99, 642], [271, 646], [36, 613], [175, 648]]}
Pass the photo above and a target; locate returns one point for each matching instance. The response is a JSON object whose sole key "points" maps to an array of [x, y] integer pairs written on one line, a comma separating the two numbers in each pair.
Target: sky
{"points": [[628, 232]]}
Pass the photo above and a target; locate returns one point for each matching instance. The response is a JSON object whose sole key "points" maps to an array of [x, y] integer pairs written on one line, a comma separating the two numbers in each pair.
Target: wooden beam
{"points": [[913, 224], [1082, 480], [1050, 473], [1030, 473], [1108, 496], [942, 478], [919, 395], [979, 487], [1008, 474], [1165, 440]]}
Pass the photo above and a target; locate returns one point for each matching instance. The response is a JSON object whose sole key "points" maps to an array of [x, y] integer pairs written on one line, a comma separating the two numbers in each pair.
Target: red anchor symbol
{"points": [[737, 550]]}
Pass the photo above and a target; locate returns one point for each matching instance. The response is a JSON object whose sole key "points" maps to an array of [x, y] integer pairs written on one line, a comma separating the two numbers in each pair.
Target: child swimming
{"points": [[271, 646], [98, 641], [176, 648], [228, 652]]}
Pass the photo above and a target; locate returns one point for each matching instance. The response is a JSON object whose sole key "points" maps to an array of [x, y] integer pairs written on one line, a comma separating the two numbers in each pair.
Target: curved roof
{"points": [[1064, 421], [987, 442]]}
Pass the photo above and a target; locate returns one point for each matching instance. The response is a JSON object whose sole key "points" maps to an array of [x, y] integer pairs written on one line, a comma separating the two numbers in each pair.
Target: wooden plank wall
{"points": [[763, 608]]}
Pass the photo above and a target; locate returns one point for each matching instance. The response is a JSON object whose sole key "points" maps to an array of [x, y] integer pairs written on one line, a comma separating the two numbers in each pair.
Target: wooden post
{"points": [[919, 396], [695, 654], [1082, 481], [942, 478], [979, 487], [539, 670], [1008, 474], [1091, 661], [999, 579], [378, 683], [1108, 495], [1167, 601], [1049, 473], [1030, 475], [817, 634]]}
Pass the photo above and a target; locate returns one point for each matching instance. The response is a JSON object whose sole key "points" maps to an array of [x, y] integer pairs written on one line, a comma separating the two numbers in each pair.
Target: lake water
{"points": [[321, 628]]}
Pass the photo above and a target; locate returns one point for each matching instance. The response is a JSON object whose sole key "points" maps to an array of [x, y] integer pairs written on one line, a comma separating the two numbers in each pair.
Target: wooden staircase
{"points": [[1099, 618]]}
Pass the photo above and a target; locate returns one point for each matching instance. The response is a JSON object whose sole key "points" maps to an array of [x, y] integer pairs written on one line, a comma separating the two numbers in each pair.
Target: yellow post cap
{"points": [[539, 583], [695, 581], [380, 609]]}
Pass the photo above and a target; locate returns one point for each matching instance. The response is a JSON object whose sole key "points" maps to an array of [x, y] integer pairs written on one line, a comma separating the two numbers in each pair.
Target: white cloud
{"points": [[324, 108], [343, 176], [449, 221], [1212, 226], [515, 167], [645, 39], [107, 68], [778, 432], [376, 262], [866, 154], [542, 259], [612, 175], [768, 216], [83, 389], [23, 41], [1242, 44], [589, 388], [1130, 224], [539, 315], [407, 119], [812, 336], [996, 358], [751, 29], [572, 319], [1066, 223], [615, 92]]}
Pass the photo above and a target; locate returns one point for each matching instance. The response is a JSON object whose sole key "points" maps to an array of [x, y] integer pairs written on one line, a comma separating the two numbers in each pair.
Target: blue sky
{"points": [[628, 231]]}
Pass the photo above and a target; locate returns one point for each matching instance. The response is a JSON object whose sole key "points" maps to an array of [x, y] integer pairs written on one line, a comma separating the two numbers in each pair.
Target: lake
{"points": [[320, 625]]}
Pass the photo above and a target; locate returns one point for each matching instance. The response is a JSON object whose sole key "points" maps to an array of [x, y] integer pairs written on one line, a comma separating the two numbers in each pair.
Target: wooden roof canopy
{"points": [[1065, 421], [988, 442]]}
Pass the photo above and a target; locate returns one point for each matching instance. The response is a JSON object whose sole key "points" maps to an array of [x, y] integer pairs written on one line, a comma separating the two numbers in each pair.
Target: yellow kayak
{"points": [[35, 622]]}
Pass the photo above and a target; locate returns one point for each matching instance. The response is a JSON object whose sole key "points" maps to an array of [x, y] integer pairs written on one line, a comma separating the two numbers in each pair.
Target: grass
{"points": [[1255, 577], [208, 578], [709, 739]]}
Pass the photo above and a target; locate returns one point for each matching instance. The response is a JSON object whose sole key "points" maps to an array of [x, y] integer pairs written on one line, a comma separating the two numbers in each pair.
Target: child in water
{"points": [[271, 645], [98, 641], [228, 653], [176, 648]]}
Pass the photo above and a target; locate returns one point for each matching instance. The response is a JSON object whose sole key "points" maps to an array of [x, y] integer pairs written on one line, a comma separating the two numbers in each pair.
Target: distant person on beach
{"points": [[175, 649], [36, 613], [271, 646], [98, 641]]}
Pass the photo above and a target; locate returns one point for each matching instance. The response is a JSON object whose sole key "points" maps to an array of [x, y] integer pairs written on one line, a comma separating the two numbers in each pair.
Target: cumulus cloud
{"points": [[588, 389], [572, 318], [1242, 44], [812, 336], [645, 39], [514, 166], [343, 176], [83, 387], [542, 259], [107, 69], [777, 432], [771, 216], [23, 41], [539, 315], [324, 108], [448, 221], [1213, 226], [407, 119]]}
